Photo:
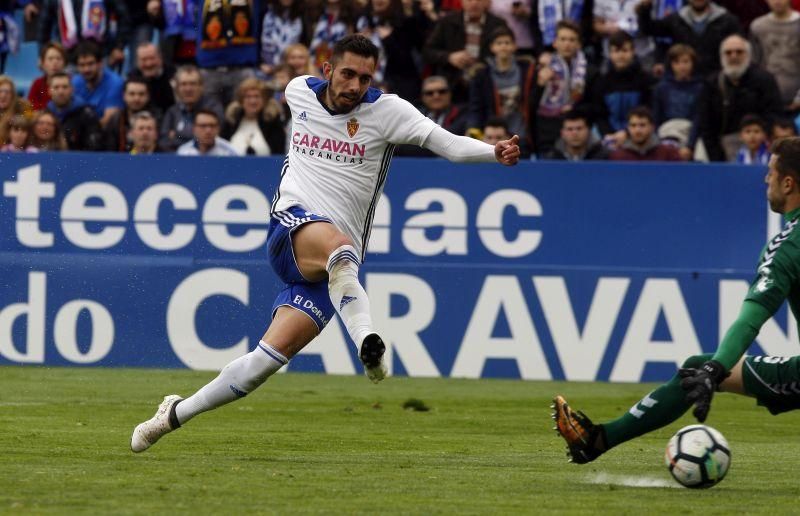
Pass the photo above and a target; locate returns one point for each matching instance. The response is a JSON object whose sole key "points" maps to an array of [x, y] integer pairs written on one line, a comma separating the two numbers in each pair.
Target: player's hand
{"points": [[507, 151], [700, 385]]}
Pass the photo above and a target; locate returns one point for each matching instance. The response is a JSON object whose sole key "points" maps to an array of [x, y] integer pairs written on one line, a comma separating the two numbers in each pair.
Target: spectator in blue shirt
{"points": [[100, 87]]}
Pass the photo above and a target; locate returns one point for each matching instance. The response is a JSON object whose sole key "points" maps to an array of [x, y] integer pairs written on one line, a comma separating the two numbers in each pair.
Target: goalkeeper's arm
{"points": [[741, 334]]}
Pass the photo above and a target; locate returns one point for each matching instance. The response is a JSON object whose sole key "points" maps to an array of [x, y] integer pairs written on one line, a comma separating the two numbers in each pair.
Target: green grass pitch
{"points": [[325, 444]]}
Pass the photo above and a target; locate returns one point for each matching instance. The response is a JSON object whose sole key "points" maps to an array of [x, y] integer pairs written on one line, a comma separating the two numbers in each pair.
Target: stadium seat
{"points": [[23, 67]]}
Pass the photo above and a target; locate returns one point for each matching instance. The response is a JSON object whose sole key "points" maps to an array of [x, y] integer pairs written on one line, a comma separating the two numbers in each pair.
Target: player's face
{"points": [[777, 186], [349, 80]]}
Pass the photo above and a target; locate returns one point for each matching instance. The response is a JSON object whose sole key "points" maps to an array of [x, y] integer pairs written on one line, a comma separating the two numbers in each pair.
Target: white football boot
{"points": [[146, 434]]}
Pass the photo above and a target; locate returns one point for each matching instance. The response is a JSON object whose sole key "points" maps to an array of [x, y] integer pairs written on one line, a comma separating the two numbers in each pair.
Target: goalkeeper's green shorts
{"points": [[773, 381]]}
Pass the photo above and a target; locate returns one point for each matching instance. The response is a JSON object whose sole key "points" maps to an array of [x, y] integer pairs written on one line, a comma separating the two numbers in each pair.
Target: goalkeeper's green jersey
{"points": [[777, 280]]}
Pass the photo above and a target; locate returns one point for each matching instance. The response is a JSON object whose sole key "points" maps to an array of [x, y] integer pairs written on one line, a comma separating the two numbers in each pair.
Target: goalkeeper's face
{"points": [[778, 186]]}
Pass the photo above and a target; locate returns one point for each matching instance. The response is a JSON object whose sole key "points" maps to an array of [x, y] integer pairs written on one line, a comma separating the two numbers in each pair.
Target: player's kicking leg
{"points": [[288, 333], [322, 250]]}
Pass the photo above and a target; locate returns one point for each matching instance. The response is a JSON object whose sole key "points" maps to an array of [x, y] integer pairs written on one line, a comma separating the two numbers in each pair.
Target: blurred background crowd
{"points": [[674, 80]]}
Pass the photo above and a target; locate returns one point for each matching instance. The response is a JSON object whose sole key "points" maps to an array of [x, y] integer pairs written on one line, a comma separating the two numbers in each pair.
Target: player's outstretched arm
{"points": [[462, 149]]}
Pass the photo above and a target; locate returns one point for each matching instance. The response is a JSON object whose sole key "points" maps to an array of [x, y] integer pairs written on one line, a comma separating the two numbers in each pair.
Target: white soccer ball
{"points": [[697, 456]]}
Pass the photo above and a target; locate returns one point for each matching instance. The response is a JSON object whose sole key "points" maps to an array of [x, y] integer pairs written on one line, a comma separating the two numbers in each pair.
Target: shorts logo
{"points": [[346, 300], [352, 127], [303, 117]]}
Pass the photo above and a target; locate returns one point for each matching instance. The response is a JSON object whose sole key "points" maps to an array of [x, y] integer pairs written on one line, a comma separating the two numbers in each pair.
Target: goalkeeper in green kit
{"points": [[773, 381]]}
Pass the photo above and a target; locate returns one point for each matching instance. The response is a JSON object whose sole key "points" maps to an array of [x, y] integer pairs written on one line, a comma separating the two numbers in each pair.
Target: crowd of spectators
{"points": [[665, 80]]}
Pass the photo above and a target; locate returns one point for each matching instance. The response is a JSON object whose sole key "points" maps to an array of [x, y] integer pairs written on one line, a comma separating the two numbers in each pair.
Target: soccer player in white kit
{"points": [[342, 137]]}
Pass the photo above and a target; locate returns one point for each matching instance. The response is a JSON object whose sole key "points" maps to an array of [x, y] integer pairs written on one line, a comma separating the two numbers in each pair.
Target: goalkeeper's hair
{"points": [[787, 163]]}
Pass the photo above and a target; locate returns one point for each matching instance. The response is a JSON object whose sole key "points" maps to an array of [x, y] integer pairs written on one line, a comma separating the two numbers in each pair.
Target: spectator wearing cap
{"points": [[176, 127], [577, 142], [459, 41], [739, 88], [437, 104], [207, 141], [77, 119], [52, 59], [151, 68], [96, 83], [253, 122], [84, 20], [642, 144], [776, 46], [144, 134]]}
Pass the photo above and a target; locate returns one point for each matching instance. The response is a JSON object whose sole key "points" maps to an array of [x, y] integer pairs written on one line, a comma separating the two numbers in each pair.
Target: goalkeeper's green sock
{"points": [[659, 408]]}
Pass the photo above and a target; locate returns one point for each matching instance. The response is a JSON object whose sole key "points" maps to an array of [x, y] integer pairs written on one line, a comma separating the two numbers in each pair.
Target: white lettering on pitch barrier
{"points": [[32, 312], [97, 215], [182, 308]]}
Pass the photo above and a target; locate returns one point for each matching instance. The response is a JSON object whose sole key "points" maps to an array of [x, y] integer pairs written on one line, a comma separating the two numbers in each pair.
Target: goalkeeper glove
{"points": [[700, 385]]}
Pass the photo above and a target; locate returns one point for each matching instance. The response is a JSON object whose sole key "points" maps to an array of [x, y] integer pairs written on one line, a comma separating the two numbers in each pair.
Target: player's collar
{"points": [[792, 214]]}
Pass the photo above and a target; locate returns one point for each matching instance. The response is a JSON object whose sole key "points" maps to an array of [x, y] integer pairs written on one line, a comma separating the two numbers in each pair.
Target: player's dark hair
{"points": [[204, 111], [641, 112], [751, 119], [89, 48], [357, 44], [569, 25], [787, 163], [619, 39]]}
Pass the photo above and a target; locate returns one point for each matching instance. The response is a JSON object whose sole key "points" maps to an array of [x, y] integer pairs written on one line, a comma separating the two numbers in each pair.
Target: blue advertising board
{"points": [[593, 271]]}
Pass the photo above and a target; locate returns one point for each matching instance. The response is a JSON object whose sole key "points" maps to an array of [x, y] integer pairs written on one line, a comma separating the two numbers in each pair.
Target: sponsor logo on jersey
{"points": [[327, 144], [352, 127], [303, 117]]}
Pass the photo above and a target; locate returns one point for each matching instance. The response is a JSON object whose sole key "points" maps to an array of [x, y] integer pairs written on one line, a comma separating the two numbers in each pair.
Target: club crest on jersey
{"points": [[352, 127]]}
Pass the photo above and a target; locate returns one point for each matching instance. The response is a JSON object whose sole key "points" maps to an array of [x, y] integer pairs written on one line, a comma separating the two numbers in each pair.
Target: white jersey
{"points": [[337, 163]]}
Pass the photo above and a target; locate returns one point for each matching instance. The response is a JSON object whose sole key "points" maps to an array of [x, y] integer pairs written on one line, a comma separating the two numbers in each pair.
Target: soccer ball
{"points": [[697, 456]]}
